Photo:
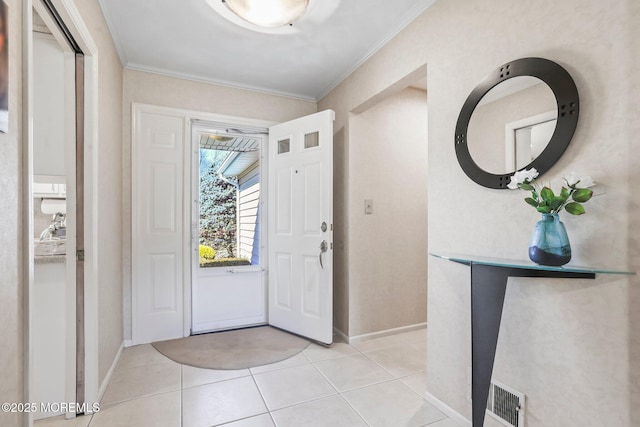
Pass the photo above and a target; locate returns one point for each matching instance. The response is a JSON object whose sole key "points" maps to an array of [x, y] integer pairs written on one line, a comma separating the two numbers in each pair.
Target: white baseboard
{"points": [[385, 333], [107, 378], [128, 343], [447, 410]]}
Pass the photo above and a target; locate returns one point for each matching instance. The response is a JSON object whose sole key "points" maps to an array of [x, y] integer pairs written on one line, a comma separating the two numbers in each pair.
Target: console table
{"points": [[488, 286]]}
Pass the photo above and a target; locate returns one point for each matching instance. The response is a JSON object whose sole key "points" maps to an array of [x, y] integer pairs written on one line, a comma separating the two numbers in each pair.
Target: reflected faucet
{"points": [[57, 228]]}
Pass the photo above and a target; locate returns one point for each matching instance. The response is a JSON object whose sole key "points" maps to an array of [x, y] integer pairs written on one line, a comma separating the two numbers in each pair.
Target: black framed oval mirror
{"points": [[523, 115]]}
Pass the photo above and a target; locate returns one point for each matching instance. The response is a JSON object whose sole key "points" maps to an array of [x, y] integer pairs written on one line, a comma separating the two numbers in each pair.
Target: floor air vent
{"points": [[506, 405]]}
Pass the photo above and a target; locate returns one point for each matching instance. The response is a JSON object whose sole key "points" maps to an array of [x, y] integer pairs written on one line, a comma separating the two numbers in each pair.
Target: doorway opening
{"points": [[59, 45], [228, 289], [229, 195], [389, 222], [173, 295]]}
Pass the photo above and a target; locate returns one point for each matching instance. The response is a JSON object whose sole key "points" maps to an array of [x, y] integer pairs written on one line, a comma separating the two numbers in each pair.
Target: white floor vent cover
{"points": [[506, 405]]}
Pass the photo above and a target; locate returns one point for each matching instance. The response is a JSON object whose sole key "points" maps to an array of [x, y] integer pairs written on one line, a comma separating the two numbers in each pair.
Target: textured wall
{"points": [[570, 345], [633, 207], [155, 89], [11, 226], [388, 164]]}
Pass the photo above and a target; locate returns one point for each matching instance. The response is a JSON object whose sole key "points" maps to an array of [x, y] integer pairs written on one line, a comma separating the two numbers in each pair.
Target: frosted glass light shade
{"points": [[268, 13]]}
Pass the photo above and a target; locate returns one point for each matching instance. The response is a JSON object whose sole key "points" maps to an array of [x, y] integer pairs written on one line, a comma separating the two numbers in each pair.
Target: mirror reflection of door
{"points": [[526, 139], [505, 121]]}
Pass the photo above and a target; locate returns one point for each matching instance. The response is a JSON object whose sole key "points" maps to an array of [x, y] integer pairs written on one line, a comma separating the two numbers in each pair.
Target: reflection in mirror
{"points": [[512, 124]]}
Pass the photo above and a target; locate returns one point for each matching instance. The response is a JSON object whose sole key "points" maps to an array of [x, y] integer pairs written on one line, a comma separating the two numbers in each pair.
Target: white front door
{"points": [[300, 217], [158, 234]]}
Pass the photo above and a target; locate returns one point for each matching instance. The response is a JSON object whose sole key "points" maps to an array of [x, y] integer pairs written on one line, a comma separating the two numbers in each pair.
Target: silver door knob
{"points": [[324, 246]]}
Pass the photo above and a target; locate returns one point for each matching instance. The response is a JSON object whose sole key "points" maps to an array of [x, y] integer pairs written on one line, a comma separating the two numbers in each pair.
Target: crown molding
{"points": [[408, 18]]}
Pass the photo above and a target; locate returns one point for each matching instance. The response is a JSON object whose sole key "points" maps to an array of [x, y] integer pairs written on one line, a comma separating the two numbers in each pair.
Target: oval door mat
{"points": [[237, 349]]}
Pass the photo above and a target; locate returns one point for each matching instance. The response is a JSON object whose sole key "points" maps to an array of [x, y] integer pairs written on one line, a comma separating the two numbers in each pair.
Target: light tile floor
{"points": [[377, 383]]}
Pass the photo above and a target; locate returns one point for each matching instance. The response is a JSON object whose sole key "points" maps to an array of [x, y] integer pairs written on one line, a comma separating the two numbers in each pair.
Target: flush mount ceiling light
{"points": [[268, 13], [275, 16]]}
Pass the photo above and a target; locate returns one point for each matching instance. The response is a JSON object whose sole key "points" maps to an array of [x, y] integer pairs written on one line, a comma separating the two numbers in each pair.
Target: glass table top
{"points": [[512, 263]]}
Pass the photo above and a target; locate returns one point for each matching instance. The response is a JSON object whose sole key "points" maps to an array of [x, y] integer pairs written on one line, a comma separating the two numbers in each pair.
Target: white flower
{"points": [[522, 176], [584, 182], [530, 174]]}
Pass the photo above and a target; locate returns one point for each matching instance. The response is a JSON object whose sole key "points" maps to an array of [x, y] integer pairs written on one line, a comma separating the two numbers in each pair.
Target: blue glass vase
{"points": [[550, 243]]}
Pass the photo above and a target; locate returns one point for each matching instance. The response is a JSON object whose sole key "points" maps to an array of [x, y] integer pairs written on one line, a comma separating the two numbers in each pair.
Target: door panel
{"points": [[284, 202], [224, 300], [157, 218], [300, 200], [282, 286], [312, 199], [311, 295]]}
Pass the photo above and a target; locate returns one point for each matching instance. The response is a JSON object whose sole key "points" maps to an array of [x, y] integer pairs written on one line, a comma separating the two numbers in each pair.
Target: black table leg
{"points": [[488, 288]]}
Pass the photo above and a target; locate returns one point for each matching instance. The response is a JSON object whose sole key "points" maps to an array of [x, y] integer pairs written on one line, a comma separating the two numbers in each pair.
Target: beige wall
{"points": [[387, 249], [11, 226], [155, 89], [570, 345]]}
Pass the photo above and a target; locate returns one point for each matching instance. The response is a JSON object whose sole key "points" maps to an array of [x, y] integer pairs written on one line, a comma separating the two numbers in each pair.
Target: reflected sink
{"points": [[50, 247]]}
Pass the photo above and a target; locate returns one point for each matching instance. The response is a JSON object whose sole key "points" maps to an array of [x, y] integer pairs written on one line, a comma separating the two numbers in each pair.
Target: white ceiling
{"points": [[187, 38]]}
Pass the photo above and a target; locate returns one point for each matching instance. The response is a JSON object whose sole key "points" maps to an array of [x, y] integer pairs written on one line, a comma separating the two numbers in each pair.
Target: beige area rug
{"points": [[238, 349]]}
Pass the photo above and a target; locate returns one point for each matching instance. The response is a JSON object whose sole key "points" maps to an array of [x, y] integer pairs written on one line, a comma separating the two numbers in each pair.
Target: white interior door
{"points": [[157, 264], [300, 201]]}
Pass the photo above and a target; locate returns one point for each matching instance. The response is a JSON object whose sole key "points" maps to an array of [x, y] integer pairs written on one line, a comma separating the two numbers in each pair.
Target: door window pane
{"points": [[311, 140], [229, 208], [284, 146]]}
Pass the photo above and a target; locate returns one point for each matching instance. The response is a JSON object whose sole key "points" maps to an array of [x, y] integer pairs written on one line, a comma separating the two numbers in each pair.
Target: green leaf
{"points": [[564, 193], [526, 186], [574, 208], [532, 202], [547, 194], [544, 209], [582, 195], [556, 202]]}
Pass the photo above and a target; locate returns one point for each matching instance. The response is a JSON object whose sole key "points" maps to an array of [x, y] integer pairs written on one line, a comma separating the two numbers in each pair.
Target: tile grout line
{"points": [[278, 369], [262, 397], [377, 364], [340, 394], [305, 401], [387, 348], [325, 378], [359, 387], [216, 382], [354, 410], [145, 396]]}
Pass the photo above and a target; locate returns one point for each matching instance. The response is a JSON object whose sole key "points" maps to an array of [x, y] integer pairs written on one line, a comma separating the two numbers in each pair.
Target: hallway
{"points": [[379, 382]]}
